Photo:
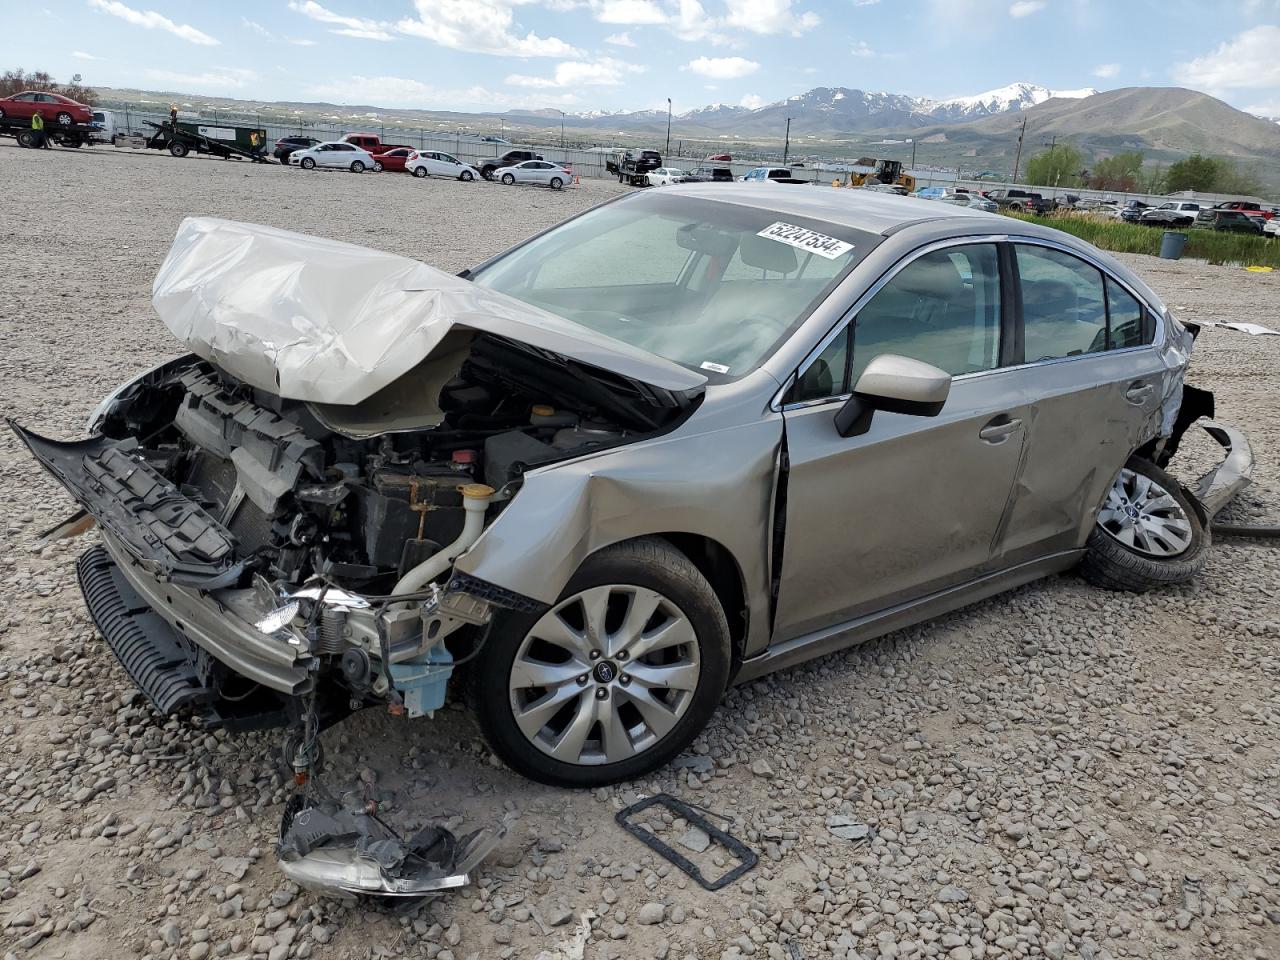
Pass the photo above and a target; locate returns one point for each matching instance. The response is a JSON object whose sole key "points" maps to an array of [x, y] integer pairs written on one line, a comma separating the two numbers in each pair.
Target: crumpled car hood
{"points": [[329, 322]]}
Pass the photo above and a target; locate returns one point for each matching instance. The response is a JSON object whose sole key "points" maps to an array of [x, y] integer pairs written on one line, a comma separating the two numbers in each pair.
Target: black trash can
{"points": [[1171, 245]]}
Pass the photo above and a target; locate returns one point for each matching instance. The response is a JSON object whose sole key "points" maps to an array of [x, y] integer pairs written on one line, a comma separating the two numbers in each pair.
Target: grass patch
{"points": [[1234, 249]]}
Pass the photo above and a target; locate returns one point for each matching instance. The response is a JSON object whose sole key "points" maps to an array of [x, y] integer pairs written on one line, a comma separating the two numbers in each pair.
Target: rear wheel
{"points": [[307, 163], [556, 183], [1, 113], [508, 178], [466, 176], [377, 167], [63, 119], [1148, 533], [26, 138], [613, 681], [420, 172], [487, 172], [357, 166], [178, 149]]}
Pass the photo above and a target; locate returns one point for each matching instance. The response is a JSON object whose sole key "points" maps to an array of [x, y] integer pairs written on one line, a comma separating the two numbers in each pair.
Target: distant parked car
{"points": [[432, 163], [1093, 203], [1272, 227], [667, 175], [1174, 213], [931, 193], [1247, 207], [1131, 210], [535, 171], [53, 107], [1020, 201], [971, 200], [1229, 221], [394, 160], [335, 154], [707, 174], [490, 166], [761, 174], [287, 145]]}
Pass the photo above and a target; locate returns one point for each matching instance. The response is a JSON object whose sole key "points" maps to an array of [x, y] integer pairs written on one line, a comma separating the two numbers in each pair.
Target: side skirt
{"points": [[830, 639]]}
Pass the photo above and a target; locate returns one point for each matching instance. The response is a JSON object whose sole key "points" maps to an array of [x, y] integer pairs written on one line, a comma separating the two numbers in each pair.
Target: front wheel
{"points": [[178, 148], [556, 183], [466, 176], [307, 163], [508, 178], [619, 676], [63, 119], [1148, 533], [357, 166], [487, 173]]}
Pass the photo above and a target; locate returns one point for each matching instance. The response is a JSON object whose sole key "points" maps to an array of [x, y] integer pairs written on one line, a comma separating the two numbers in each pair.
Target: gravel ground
{"points": [[1057, 772]]}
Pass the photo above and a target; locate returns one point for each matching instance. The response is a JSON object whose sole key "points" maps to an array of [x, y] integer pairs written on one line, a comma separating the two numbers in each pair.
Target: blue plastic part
{"points": [[422, 681]]}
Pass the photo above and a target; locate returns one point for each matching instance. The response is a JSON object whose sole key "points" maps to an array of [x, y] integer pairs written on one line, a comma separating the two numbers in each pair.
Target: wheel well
{"points": [[717, 564]]}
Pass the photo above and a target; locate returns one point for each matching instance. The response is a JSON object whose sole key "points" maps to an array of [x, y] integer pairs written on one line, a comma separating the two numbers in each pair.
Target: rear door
{"points": [[1095, 382], [916, 504]]}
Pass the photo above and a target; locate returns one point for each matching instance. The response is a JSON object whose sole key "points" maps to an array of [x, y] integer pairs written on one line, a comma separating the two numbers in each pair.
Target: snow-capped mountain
{"points": [[1016, 96]]}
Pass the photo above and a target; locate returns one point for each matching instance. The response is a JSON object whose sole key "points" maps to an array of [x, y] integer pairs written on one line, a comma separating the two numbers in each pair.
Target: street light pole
{"points": [[561, 129], [913, 153], [667, 152], [786, 145]]}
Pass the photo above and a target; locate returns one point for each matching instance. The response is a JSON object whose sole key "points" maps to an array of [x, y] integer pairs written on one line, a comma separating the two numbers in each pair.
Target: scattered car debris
{"points": [[1253, 329], [747, 857], [847, 828], [341, 846]]}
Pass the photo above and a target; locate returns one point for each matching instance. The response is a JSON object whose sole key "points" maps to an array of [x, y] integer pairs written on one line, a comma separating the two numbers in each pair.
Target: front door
{"points": [[916, 504]]}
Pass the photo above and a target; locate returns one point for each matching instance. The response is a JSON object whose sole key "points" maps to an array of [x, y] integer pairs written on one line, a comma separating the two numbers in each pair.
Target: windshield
{"points": [[711, 285]]}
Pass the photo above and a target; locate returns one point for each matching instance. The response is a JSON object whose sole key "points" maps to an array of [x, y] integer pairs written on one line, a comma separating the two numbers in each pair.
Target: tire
{"points": [[1015, 208], [26, 138], [556, 183], [357, 166], [419, 172], [645, 568], [377, 167], [508, 178], [487, 172], [466, 176], [63, 119], [307, 163], [178, 149], [1, 114], [1176, 550]]}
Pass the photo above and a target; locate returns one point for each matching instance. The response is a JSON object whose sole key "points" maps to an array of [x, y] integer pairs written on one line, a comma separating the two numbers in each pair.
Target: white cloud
{"points": [[150, 20], [862, 49], [605, 72], [752, 101], [255, 27], [81, 55], [769, 16], [622, 39], [414, 94], [1246, 62], [865, 3], [722, 68], [1025, 8], [480, 26], [300, 41], [1106, 70], [223, 78], [361, 28], [637, 12]]}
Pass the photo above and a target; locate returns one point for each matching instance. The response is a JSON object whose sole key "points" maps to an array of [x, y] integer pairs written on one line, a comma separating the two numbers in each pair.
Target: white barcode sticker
{"points": [[802, 238], [713, 367]]}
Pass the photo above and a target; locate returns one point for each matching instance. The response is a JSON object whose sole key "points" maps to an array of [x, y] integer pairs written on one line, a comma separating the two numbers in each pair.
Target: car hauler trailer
{"points": [[190, 136], [63, 134]]}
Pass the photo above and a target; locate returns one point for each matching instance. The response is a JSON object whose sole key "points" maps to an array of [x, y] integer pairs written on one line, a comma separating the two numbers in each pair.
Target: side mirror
{"points": [[896, 384]]}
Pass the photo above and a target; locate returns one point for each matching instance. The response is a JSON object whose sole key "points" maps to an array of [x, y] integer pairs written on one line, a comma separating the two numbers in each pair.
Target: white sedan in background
{"points": [[664, 176], [430, 163], [535, 171], [346, 156]]}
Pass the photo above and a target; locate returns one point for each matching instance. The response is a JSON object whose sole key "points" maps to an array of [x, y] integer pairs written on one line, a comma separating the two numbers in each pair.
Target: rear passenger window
{"points": [[1064, 313], [1127, 319]]}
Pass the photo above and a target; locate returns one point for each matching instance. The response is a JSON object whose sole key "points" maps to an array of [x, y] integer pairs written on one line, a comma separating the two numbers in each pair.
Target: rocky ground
{"points": [[1057, 772]]}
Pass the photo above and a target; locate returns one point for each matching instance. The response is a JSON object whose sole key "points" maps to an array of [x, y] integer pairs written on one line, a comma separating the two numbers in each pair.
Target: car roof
{"points": [[869, 210]]}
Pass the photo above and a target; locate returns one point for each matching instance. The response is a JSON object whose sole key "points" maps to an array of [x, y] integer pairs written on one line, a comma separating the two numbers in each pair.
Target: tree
{"points": [[1055, 167], [1231, 179], [16, 81], [1119, 172], [1192, 173]]}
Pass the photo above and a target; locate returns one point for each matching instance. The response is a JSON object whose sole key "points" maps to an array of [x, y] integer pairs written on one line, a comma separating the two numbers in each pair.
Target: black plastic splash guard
{"points": [[695, 818]]}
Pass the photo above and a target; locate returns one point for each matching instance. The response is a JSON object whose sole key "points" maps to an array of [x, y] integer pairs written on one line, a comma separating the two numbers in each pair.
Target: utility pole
{"points": [[561, 129], [1017, 157], [786, 146], [913, 153], [667, 151]]}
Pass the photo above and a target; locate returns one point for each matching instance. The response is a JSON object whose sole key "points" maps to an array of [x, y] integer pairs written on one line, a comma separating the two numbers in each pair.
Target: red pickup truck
{"points": [[372, 143], [1248, 208]]}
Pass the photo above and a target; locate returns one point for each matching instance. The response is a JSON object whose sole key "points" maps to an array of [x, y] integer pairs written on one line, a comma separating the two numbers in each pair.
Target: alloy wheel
{"points": [[1143, 516], [604, 675]]}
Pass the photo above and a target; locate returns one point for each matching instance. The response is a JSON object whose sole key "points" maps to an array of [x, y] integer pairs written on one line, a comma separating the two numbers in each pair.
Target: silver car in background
{"points": [[974, 201], [616, 484], [336, 154], [535, 171]]}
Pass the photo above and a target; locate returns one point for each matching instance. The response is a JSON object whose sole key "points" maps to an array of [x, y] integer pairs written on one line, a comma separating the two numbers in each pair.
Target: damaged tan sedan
{"points": [[674, 443]]}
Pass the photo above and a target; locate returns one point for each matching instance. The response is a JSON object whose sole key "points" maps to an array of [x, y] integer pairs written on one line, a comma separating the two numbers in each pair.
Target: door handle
{"points": [[1138, 393], [999, 429]]}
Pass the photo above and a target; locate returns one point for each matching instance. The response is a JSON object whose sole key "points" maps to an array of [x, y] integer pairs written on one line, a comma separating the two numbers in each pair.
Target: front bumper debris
{"points": [[1220, 485], [330, 848]]}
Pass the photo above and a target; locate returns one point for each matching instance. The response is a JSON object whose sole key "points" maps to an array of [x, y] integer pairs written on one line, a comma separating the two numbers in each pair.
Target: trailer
{"points": [[188, 136], [63, 134]]}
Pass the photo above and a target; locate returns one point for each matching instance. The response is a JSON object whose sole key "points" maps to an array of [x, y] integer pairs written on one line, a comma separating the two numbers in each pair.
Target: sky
{"points": [[585, 55]]}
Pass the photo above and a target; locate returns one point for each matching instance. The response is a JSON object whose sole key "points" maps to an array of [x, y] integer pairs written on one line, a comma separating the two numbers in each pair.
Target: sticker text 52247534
{"points": [[802, 238]]}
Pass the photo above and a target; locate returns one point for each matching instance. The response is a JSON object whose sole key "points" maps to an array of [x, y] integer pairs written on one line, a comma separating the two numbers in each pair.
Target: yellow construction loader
{"points": [[887, 172]]}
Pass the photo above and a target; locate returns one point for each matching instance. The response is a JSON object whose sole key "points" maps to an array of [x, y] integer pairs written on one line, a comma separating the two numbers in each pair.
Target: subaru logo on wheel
{"points": [[605, 672]]}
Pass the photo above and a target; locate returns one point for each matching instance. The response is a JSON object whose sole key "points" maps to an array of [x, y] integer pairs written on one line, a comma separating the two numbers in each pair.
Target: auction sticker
{"points": [[802, 238]]}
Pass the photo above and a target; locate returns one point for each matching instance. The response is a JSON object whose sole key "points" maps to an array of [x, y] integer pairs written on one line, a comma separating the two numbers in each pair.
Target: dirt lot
{"points": [[1057, 772]]}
